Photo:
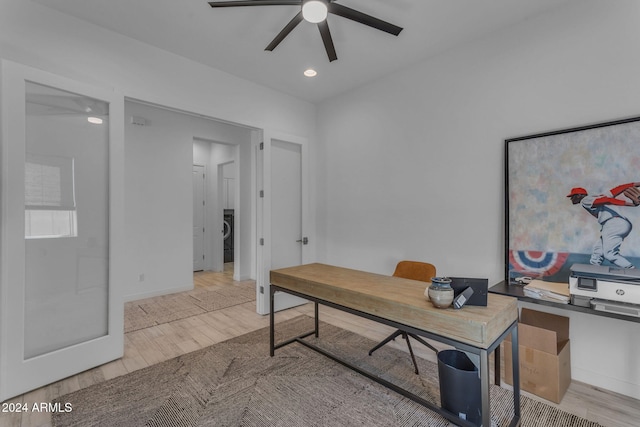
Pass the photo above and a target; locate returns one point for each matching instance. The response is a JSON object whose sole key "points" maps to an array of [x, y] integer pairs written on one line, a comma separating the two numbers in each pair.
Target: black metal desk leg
{"points": [[496, 366], [271, 323], [317, 321], [484, 388], [516, 371]]}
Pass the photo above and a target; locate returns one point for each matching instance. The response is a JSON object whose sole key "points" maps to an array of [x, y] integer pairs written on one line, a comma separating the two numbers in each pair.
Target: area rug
{"points": [[154, 311], [236, 383]]}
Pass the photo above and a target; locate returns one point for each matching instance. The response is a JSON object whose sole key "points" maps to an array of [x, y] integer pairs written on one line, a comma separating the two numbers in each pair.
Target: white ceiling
{"points": [[233, 39]]}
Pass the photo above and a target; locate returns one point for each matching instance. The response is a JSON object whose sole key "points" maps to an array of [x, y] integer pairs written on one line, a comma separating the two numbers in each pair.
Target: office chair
{"points": [[417, 271]]}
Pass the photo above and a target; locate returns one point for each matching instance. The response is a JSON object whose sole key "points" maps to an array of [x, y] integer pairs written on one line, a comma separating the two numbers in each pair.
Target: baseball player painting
{"points": [[614, 227]]}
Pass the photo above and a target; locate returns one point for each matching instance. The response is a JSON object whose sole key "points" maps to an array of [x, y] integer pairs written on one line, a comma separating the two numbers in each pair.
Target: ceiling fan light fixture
{"points": [[314, 11]]}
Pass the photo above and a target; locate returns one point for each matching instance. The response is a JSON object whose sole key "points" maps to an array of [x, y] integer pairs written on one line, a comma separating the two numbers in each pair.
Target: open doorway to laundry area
{"points": [[216, 244], [162, 147]]}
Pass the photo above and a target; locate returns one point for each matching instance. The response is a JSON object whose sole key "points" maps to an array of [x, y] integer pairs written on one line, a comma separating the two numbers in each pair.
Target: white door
{"points": [[286, 214], [286, 204], [62, 228], [198, 218]]}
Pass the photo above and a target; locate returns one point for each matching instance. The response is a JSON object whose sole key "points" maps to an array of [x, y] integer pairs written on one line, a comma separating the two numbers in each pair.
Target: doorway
{"points": [[223, 222], [228, 208], [163, 150], [285, 213], [221, 205]]}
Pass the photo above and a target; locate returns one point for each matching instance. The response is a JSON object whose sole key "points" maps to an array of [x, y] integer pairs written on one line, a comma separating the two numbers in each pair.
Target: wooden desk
{"points": [[401, 303]]}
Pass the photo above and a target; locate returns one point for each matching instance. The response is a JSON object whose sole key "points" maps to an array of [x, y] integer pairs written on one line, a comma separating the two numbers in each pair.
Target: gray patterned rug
{"points": [[154, 311], [236, 383]]}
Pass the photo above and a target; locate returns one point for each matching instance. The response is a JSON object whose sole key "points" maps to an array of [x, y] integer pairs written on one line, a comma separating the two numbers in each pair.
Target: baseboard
{"points": [[615, 385], [157, 293]]}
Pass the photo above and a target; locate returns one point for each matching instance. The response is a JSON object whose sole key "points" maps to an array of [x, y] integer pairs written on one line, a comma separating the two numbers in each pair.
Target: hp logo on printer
{"points": [[620, 292]]}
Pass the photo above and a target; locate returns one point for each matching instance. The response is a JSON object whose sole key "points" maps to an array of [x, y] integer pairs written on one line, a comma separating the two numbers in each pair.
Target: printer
{"points": [[611, 289]]}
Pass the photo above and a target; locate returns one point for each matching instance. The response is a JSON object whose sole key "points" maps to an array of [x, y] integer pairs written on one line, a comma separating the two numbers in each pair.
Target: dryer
{"points": [[228, 235]]}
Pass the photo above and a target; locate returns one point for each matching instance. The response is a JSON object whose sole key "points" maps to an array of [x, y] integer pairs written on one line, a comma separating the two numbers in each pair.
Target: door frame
{"points": [[282, 301], [204, 215], [219, 249], [17, 375]]}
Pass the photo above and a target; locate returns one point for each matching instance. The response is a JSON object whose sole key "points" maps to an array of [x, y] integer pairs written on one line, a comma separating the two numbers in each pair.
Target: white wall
{"points": [[39, 37], [411, 166]]}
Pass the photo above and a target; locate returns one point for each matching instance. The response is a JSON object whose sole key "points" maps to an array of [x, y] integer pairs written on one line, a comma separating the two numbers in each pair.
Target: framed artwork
{"points": [[570, 199]]}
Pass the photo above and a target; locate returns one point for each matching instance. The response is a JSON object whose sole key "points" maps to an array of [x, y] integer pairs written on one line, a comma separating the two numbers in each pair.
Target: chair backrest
{"points": [[415, 270]]}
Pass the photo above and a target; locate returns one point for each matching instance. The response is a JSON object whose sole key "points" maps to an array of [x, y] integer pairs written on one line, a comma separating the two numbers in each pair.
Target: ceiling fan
{"points": [[315, 11]]}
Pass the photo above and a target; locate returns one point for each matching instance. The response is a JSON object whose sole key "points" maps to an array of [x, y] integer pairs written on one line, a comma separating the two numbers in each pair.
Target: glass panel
{"points": [[66, 219]]}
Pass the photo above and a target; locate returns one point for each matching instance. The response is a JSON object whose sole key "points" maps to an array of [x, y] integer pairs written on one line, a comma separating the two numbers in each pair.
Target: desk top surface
{"points": [[400, 300]]}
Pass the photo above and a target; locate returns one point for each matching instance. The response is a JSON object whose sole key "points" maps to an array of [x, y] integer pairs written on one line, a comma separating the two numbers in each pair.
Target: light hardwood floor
{"points": [[158, 343]]}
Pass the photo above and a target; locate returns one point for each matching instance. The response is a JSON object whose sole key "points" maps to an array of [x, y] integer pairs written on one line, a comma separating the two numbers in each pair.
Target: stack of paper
{"points": [[548, 291]]}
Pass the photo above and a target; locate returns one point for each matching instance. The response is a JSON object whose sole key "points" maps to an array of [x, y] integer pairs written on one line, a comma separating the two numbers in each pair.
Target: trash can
{"points": [[459, 385]]}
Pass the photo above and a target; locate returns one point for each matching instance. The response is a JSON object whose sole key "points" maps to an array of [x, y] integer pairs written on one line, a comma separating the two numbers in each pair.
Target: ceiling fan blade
{"points": [[285, 31], [363, 18], [255, 3], [327, 40]]}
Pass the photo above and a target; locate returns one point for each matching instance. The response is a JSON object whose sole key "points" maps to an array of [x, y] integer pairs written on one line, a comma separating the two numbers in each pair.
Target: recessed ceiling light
{"points": [[314, 11], [94, 120], [310, 72]]}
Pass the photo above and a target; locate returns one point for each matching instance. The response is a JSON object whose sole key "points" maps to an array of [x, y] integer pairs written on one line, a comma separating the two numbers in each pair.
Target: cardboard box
{"points": [[545, 357]]}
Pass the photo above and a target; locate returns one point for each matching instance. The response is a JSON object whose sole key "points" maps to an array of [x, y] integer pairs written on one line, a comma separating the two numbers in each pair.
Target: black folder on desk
{"points": [[479, 286]]}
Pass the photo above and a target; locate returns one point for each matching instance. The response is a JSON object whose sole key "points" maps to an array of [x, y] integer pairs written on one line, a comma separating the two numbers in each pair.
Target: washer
{"points": [[228, 235]]}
